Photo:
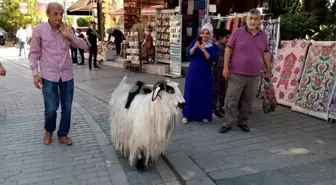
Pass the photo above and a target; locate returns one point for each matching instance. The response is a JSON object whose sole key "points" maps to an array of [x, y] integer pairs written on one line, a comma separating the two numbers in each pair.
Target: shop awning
{"points": [[81, 7], [150, 10], [145, 11], [119, 12]]}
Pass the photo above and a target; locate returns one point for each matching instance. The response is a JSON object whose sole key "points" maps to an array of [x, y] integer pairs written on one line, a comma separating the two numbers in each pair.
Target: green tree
{"points": [[69, 20], [297, 25], [281, 7], [84, 21], [11, 17]]}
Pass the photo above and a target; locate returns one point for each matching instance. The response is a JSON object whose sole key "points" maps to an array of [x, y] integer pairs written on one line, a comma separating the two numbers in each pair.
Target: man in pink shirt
{"points": [[49, 52], [249, 50]]}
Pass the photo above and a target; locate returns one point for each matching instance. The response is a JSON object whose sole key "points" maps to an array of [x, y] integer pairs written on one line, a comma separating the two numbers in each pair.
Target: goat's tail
{"points": [[123, 80]]}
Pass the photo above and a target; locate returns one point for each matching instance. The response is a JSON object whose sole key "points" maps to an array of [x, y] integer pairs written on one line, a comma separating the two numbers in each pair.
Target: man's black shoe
{"points": [[244, 128]]}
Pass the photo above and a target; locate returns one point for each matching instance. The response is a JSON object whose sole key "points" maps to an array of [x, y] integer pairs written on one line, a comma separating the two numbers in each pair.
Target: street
{"points": [[283, 148]]}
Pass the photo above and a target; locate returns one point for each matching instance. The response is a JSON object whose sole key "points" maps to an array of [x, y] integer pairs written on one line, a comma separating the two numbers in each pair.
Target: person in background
{"points": [[2, 33], [81, 51], [92, 36], [137, 27], [22, 35], [219, 82], [147, 43], [198, 87], [74, 51], [248, 49], [118, 38], [2, 70], [49, 52]]}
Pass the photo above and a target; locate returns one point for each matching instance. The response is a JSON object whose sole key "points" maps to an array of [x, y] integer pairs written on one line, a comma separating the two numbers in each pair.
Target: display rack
{"points": [[132, 54], [162, 36], [175, 46]]}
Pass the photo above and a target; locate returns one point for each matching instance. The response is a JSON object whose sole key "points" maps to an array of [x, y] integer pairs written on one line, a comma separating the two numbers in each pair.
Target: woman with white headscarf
{"points": [[198, 88]]}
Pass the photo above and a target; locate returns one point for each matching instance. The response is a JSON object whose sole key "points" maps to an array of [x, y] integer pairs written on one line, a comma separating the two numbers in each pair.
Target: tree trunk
{"points": [[318, 8]]}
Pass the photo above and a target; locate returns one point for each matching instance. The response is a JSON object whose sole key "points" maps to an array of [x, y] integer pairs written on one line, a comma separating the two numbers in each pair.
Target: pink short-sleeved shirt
{"points": [[248, 51]]}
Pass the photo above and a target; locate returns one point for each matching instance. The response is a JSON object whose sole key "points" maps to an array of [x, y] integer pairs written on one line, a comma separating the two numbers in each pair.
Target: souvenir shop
{"points": [[167, 34]]}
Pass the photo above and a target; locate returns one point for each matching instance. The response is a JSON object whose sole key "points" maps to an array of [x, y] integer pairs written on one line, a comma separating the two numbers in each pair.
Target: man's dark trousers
{"points": [[93, 54]]}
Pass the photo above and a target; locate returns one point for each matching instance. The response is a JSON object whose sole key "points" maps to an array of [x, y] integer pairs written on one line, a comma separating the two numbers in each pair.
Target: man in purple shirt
{"points": [[248, 49], [49, 51]]}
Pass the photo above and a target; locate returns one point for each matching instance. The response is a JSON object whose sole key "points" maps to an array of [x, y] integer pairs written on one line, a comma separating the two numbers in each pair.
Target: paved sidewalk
{"points": [[283, 148], [24, 159]]}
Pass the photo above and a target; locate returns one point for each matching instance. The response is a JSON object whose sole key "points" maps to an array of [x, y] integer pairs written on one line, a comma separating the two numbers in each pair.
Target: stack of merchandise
{"points": [[175, 45], [162, 53], [133, 51]]}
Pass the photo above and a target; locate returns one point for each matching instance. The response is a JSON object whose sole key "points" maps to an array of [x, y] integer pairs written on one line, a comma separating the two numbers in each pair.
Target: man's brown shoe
{"points": [[65, 140], [224, 129], [47, 138]]}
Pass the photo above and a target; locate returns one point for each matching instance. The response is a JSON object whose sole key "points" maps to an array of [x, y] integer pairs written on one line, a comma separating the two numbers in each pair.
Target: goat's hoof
{"points": [[184, 120], [141, 170], [140, 166]]}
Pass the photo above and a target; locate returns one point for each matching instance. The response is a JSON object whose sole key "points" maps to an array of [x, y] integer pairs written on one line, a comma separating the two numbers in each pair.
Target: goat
{"points": [[142, 131]]}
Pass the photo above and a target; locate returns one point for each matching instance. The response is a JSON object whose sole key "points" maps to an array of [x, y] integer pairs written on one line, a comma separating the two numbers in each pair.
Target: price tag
{"points": [[212, 8]]}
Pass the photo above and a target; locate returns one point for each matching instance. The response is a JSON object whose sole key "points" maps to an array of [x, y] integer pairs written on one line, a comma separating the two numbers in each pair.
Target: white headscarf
{"points": [[208, 27]]}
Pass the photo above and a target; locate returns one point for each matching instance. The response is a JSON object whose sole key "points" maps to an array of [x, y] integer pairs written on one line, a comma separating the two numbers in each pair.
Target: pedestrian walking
{"points": [[81, 51], [2, 70], [219, 82], [198, 86], [92, 36], [118, 38], [2, 33], [49, 51], [248, 49], [22, 35], [74, 51]]}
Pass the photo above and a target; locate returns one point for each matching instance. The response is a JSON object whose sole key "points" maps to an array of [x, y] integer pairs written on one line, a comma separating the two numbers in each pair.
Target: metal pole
{"points": [[65, 10]]}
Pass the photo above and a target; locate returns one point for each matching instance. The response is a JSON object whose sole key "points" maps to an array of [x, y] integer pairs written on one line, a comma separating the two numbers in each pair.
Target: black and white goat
{"points": [[142, 131]]}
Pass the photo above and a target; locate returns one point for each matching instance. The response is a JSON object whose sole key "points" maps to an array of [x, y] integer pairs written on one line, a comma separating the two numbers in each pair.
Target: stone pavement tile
{"points": [[185, 166], [200, 181]]}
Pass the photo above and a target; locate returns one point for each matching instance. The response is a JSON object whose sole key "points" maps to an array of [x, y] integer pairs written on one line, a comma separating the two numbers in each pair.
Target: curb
{"points": [[114, 168]]}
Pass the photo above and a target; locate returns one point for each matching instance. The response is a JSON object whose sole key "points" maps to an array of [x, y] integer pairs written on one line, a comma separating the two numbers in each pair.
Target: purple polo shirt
{"points": [[248, 51]]}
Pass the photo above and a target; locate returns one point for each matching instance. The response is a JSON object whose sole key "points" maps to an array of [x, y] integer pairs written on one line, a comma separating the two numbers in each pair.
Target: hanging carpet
{"points": [[287, 70], [317, 81]]}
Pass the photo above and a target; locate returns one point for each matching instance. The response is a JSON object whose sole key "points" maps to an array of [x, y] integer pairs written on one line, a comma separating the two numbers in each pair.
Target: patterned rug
{"points": [[318, 78], [287, 70]]}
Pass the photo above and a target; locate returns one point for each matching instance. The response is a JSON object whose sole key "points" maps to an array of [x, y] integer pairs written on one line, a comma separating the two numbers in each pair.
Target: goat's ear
{"points": [[156, 91]]}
